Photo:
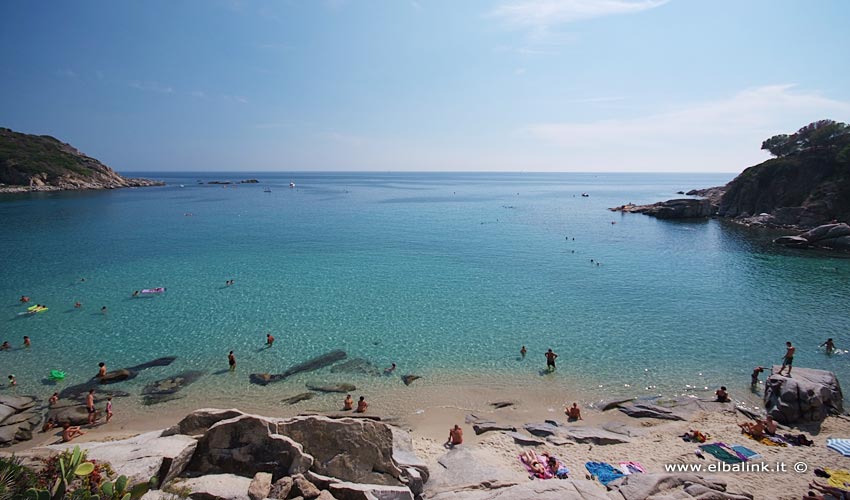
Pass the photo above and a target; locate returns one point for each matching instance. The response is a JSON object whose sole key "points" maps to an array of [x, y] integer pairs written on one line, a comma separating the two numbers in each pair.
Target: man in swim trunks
{"points": [[829, 344], [550, 360], [90, 406], [788, 359], [269, 339], [755, 376], [231, 359], [455, 436]]}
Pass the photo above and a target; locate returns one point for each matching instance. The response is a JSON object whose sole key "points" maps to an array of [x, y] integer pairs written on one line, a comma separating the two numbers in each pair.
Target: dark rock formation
{"points": [[304, 396], [684, 208], [79, 391], [408, 379], [340, 387], [834, 236], [43, 163], [356, 365], [165, 389], [648, 410], [482, 426], [807, 396], [313, 364], [197, 422], [18, 418]]}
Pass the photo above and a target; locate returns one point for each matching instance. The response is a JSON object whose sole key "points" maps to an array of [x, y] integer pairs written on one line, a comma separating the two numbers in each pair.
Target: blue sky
{"points": [[500, 85]]}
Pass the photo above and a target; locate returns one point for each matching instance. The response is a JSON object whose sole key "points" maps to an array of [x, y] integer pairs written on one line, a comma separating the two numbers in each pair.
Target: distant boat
{"points": [[291, 184], [267, 190], [181, 185]]}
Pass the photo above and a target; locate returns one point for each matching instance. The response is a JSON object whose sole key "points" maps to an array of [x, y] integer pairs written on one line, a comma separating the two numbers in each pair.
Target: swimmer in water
{"points": [[829, 344], [269, 339], [523, 352]]}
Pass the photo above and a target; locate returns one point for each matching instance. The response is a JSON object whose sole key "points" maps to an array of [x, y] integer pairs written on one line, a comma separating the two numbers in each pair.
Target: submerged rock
{"points": [[313, 364], [165, 389], [356, 365], [79, 391], [408, 379], [304, 396], [340, 388]]}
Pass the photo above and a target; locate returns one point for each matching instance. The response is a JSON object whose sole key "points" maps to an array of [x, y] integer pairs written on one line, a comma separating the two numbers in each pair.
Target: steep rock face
{"points": [[43, 163], [797, 190]]}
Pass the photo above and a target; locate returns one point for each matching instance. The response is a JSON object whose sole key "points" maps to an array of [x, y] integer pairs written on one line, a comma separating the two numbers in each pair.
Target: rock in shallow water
{"points": [[340, 388]]}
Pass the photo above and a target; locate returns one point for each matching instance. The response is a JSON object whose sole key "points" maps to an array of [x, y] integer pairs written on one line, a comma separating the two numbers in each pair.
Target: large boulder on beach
{"points": [[662, 486], [570, 489], [216, 487], [197, 422], [246, 445], [142, 457], [351, 449], [641, 409], [594, 436], [807, 396], [74, 415]]}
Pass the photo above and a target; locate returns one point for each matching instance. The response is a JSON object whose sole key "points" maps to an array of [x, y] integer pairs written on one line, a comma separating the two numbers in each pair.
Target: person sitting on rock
{"points": [[361, 405], [69, 432], [455, 436], [722, 395], [348, 404]]}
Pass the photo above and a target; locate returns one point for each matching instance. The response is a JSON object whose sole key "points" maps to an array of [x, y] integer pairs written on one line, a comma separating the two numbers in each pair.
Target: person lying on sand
{"points": [[829, 490], [69, 432], [530, 459], [754, 429]]}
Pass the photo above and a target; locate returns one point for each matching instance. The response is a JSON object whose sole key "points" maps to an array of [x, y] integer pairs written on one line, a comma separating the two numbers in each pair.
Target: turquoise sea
{"points": [[446, 275]]}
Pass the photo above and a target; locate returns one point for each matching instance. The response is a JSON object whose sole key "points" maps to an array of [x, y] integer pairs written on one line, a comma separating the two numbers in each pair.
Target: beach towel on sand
{"points": [[604, 472], [631, 468], [721, 453], [839, 478], [840, 445], [745, 452]]}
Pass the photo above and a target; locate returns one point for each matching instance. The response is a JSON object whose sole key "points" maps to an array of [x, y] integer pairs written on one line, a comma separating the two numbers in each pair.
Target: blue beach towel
{"points": [[745, 452], [718, 451], [604, 472]]}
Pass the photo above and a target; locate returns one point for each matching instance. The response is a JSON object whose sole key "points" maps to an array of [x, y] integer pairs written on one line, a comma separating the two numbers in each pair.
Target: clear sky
{"points": [[537, 85]]}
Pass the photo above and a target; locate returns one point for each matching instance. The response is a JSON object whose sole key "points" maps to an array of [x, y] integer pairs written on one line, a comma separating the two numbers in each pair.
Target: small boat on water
{"points": [[267, 190], [291, 184], [181, 185]]}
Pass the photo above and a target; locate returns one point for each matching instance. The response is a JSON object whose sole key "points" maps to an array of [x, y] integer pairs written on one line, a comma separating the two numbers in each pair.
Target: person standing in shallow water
{"points": [[788, 360], [231, 359], [269, 340], [755, 376], [523, 351], [829, 344], [550, 360]]}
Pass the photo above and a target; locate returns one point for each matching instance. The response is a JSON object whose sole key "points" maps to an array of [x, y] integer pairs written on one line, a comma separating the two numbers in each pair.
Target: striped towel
{"points": [[840, 445]]}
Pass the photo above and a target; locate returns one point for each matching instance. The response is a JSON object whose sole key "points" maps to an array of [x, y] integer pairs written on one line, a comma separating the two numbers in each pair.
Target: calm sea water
{"points": [[445, 274]]}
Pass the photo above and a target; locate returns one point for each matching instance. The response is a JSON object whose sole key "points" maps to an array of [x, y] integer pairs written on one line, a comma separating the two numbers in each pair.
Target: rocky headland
{"points": [[806, 185], [43, 163]]}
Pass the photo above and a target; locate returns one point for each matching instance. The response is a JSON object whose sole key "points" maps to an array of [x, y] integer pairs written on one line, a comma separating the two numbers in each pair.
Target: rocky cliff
{"points": [[807, 185], [43, 163]]}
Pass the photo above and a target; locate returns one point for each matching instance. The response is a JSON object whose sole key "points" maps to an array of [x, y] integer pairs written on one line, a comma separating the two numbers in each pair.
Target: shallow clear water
{"points": [[445, 274]]}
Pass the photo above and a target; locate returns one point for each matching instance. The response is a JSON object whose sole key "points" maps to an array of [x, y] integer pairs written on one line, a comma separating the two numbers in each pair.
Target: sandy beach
{"points": [[428, 414]]}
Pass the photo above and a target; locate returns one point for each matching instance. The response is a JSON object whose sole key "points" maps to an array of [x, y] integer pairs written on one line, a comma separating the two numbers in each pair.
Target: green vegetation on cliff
{"points": [[808, 183], [23, 156]]}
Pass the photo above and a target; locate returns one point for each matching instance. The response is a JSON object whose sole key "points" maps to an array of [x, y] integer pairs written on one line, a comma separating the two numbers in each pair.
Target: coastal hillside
{"points": [[43, 163], [807, 184]]}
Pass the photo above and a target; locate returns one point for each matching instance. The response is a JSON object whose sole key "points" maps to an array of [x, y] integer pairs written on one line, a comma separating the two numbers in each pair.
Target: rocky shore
{"points": [[232, 454], [40, 163]]}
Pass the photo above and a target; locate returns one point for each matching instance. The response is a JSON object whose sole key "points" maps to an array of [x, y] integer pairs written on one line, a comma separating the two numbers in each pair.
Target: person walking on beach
{"points": [[788, 360], [231, 359], [362, 405], [523, 351], [108, 409], [829, 344], [269, 340], [90, 406], [755, 376], [27, 342], [550, 360]]}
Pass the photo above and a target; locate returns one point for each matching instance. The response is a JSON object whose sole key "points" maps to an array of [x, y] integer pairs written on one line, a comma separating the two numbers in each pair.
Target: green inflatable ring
{"points": [[56, 375]]}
